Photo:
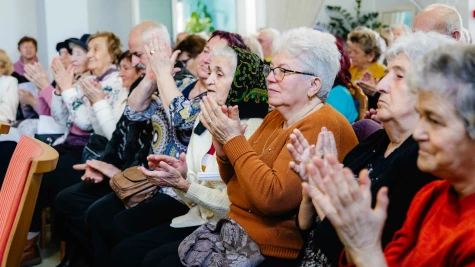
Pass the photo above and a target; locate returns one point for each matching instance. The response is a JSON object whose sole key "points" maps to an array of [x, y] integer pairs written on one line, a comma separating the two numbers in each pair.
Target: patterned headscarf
{"points": [[248, 90]]}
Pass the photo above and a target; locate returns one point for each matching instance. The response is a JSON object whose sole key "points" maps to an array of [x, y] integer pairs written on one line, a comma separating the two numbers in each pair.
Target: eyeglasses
{"points": [[279, 73]]}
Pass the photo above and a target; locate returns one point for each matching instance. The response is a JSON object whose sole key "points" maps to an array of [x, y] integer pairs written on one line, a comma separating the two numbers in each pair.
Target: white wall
{"points": [[110, 15], [17, 20]]}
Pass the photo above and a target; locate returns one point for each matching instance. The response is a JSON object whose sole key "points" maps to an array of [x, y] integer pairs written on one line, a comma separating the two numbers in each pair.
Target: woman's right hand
{"points": [[63, 77], [302, 152], [35, 74], [180, 165]]}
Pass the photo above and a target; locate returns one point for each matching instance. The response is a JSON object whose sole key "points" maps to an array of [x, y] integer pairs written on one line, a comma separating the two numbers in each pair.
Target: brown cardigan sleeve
{"points": [[272, 190], [226, 170]]}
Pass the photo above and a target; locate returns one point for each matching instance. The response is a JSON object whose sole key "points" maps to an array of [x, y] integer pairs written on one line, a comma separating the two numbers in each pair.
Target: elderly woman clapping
{"points": [[389, 154], [235, 74], [263, 191], [439, 230]]}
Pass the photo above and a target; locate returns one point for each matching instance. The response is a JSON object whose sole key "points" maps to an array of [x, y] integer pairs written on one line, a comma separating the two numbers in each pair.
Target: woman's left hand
{"points": [[158, 53], [92, 90], [167, 177], [368, 84], [348, 207], [222, 127]]}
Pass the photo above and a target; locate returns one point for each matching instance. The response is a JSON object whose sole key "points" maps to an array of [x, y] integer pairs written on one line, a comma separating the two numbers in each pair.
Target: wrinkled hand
{"points": [[160, 58], [372, 114], [368, 84], [107, 169], [26, 98], [302, 152], [326, 143], [63, 77], [92, 90], [167, 177], [35, 74], [222, 127], [91, 175], [180, 165], [348, 207]]}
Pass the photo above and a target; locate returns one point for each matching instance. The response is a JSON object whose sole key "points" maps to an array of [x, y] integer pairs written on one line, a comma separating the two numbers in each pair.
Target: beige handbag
{"points": [[132, 187]]}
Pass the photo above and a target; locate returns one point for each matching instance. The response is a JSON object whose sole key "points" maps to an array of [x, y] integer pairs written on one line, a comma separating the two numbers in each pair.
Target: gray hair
{"points": [[228, 53], [416, 45], [151, 27], [448, 71], [317, 52], [451, 19]]}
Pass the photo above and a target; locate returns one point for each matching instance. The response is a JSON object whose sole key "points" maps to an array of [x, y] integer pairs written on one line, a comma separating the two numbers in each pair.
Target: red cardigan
{"points": [[439, 230]]}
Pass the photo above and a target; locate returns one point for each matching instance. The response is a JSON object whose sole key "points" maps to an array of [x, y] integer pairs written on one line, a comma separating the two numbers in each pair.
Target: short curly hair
{"points": [[368, 41], [6, 62], [114, 44]]}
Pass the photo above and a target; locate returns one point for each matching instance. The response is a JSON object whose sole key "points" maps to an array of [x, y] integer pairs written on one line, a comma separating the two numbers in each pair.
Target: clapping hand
{"points": [[35, 74], [180, 165], [92, 90], [301, 151], [368, 84], [63, 77], [161, 60], [347, 205], [222, 126]]}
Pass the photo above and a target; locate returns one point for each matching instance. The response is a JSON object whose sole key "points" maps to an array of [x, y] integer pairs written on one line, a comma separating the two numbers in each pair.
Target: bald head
{"points": [[439, 18], [139, 36]]}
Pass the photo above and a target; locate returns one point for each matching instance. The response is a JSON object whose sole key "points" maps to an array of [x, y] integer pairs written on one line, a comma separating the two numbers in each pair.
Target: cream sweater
{"points": [[8, 98], [208, 200]]}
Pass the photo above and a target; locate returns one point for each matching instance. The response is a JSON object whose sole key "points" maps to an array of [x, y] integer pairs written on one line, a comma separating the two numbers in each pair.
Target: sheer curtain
{"points": [[288, 14]]}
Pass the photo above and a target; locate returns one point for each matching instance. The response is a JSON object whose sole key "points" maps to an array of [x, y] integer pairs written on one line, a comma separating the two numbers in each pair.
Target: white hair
{"points": [[317, 52], [254, 46], [448, 71], [451, 19], [227, 52], [151, 27], [416, 45]]}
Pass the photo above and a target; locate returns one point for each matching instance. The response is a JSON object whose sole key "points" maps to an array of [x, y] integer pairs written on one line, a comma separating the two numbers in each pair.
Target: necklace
{"points": [[265, 144]]}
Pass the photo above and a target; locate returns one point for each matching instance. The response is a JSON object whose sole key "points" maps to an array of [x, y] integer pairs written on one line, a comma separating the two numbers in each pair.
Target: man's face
{"points": [[137, 50], [27, 50]]}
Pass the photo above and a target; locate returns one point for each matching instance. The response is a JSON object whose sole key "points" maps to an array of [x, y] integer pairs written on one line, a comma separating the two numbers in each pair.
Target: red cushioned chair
{"points": [[18, 195]]}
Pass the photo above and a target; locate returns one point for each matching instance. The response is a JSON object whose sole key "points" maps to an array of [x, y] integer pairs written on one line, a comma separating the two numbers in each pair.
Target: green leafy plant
{"points": [[342, 22], [200, 20]]}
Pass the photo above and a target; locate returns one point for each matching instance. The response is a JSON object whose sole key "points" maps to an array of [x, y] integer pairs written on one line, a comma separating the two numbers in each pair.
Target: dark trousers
{"points": [[110, 223], [166, 255], [54, 182], [7, 148], [133, 251], [71, 206]]}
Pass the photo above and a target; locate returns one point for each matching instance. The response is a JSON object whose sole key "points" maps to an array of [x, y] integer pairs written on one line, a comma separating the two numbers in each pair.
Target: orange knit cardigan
{"points": [[264, 192]]}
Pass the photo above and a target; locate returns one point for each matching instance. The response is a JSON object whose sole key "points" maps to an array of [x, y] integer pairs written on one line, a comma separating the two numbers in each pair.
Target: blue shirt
{"points": [[341, 99]]}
